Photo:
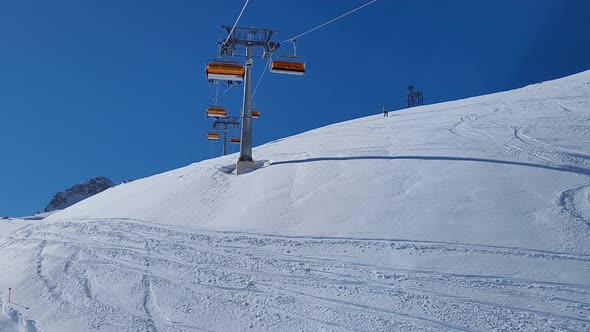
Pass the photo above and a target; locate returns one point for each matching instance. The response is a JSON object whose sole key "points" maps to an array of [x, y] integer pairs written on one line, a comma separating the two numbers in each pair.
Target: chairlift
{"points": [[213, 136], [288, 64], [235, 140], [225, 70], [253, 114], [216, 112]]}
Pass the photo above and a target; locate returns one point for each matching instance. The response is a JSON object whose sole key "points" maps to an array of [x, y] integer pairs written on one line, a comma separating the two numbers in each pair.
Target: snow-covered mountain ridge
{"points": [[470, 215]]}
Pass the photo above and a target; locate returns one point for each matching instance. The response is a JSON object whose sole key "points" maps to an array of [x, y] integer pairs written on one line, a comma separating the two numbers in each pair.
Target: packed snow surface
{"points": [[469, 215]]}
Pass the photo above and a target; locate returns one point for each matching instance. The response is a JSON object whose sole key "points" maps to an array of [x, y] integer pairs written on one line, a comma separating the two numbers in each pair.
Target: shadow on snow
{"points": [[563, 168]]}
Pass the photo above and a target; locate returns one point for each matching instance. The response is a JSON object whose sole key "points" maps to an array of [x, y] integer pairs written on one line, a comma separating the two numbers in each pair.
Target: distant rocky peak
{"points": [[77, 193]]}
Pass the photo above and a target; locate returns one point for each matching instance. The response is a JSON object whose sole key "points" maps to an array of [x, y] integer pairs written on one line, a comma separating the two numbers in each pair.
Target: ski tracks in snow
{"points": [[117, 273], [516, 136], [576, 203]]}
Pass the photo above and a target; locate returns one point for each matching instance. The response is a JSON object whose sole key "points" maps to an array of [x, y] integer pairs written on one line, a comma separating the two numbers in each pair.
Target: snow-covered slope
{"points": [[497, 169], [467, 215]]}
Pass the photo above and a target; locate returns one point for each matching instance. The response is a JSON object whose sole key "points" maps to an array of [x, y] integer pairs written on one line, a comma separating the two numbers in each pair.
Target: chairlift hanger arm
{"points": [[294, 47]]}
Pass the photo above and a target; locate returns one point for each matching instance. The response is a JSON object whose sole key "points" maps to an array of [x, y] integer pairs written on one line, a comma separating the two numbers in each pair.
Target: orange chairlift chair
{"points": [[216, 112], [288, 64], [213, 136], [225, 70]]}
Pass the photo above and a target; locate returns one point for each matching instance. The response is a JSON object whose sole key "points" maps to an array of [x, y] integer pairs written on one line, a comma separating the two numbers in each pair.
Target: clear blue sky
{"points": [[117, 87]]}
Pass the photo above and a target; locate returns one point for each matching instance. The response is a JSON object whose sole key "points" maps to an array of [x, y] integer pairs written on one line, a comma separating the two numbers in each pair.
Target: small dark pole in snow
{"points": [[10, 300]]}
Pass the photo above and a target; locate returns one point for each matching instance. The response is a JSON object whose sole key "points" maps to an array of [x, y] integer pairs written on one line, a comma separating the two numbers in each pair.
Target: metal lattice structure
{"points": [[225, 123], [415, 98]]}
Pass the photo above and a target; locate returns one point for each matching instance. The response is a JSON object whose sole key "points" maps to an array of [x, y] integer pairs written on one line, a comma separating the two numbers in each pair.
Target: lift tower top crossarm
{"points": [[248, 37]]}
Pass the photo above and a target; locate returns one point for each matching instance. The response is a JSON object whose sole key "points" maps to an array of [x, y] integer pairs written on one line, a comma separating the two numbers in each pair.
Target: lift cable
{"points": [[236, 23], [330, 21], [231, 86], [261, 76], [293, 38], [305, 33]]}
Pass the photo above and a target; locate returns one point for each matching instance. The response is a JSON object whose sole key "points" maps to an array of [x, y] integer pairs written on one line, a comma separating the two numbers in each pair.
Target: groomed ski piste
{"points": [[472, 215]]}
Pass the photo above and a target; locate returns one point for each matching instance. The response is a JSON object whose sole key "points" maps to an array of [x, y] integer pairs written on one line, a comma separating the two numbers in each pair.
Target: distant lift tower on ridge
{"points": [[415, 98]]}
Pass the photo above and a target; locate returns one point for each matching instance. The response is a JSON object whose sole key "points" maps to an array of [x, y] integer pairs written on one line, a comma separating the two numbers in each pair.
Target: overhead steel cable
{"points": [[236, 23], [330, 21], [309, 31], [261, 76]]}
